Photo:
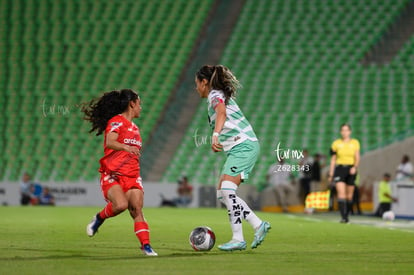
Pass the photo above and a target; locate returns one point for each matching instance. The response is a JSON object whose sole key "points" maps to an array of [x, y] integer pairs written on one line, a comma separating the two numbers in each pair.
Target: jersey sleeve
{"points": [[215, 99], [114, 126], [333, 149]]}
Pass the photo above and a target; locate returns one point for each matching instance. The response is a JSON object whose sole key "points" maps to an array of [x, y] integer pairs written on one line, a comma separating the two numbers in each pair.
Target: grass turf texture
{"points": [[42, 240]]}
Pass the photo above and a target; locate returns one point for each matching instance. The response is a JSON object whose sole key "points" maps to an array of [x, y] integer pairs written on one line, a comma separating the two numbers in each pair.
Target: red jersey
{"points": [[121, 162]]}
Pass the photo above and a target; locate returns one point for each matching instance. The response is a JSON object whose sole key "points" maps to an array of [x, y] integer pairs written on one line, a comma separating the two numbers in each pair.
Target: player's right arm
{"points": [[357, 158], [220, 109], [333, 162], [113, 143], [332, 168]]}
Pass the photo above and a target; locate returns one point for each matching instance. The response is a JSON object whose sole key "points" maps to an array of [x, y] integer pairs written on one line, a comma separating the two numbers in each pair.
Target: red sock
{"points": [[142, 232], [107, 212]]}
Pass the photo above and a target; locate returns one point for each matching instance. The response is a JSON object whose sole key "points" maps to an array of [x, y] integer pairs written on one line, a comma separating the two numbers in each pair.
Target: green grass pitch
{"points": [[52, 240]]}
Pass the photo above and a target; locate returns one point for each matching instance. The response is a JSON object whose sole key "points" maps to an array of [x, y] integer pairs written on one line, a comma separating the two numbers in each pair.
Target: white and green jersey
{"points": [[237, 128]]}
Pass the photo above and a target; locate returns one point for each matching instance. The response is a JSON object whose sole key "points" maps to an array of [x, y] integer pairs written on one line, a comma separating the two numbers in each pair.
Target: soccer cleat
{"points": [[260, 234], [93, 226], [233, 245], [147, 250], [344, 221]]}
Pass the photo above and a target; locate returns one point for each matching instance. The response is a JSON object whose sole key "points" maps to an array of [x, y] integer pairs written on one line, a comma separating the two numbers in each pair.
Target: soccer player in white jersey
{"points": [[232, 133]]}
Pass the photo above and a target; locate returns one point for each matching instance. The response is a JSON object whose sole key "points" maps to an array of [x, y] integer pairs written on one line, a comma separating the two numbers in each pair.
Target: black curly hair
{"points": [[99, 111], [220, 78]]}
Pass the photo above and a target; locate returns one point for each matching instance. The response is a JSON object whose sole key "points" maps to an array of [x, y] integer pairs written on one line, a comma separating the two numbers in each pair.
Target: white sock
{"points": [[228, 190], [249, 215]]}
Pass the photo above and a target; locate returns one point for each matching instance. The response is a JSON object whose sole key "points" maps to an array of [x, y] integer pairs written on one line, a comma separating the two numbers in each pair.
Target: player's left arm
{"points": [[113, 143], [356, 162], [221, 117], [333, 161], [220, 120]]}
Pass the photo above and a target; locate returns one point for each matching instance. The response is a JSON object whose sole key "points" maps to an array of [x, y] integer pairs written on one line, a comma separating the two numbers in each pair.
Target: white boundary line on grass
{"points": [[389, 225]]}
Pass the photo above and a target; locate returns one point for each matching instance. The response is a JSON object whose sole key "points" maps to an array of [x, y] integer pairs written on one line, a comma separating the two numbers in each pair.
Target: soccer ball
{"points": [[388, 216], [202, 238]]}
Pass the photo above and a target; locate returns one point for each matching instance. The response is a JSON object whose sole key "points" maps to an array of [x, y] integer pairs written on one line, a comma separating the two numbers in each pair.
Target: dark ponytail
{"points": [[99, 111], [220, 78]]}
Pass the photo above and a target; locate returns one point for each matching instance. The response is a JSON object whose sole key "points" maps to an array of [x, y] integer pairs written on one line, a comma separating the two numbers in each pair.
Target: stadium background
{"points": [[306, 67]]}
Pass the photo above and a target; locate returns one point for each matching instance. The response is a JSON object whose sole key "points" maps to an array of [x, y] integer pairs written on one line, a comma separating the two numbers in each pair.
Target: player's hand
{"points": [[133, 150], [395, 200], [353, 170], [215, 144]]}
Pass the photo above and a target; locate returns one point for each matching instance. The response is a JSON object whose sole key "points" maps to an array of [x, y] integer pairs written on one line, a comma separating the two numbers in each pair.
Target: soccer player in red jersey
{"points": [[121, 184]]}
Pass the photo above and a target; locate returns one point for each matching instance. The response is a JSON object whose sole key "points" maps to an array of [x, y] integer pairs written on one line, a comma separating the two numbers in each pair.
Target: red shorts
{"points": [[126, 183]]}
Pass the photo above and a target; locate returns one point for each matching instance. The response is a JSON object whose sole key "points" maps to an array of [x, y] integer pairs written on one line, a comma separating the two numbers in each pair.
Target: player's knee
{"points": [[135, 210], [120, 206]]}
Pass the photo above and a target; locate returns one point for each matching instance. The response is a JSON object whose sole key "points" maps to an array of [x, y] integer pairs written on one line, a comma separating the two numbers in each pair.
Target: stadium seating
{"points": [[59, 54], [299, 63]]}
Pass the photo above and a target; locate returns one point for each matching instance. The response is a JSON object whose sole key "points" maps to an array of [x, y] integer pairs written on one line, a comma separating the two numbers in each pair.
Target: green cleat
{"points": [[260, 234], [233, 245]]}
